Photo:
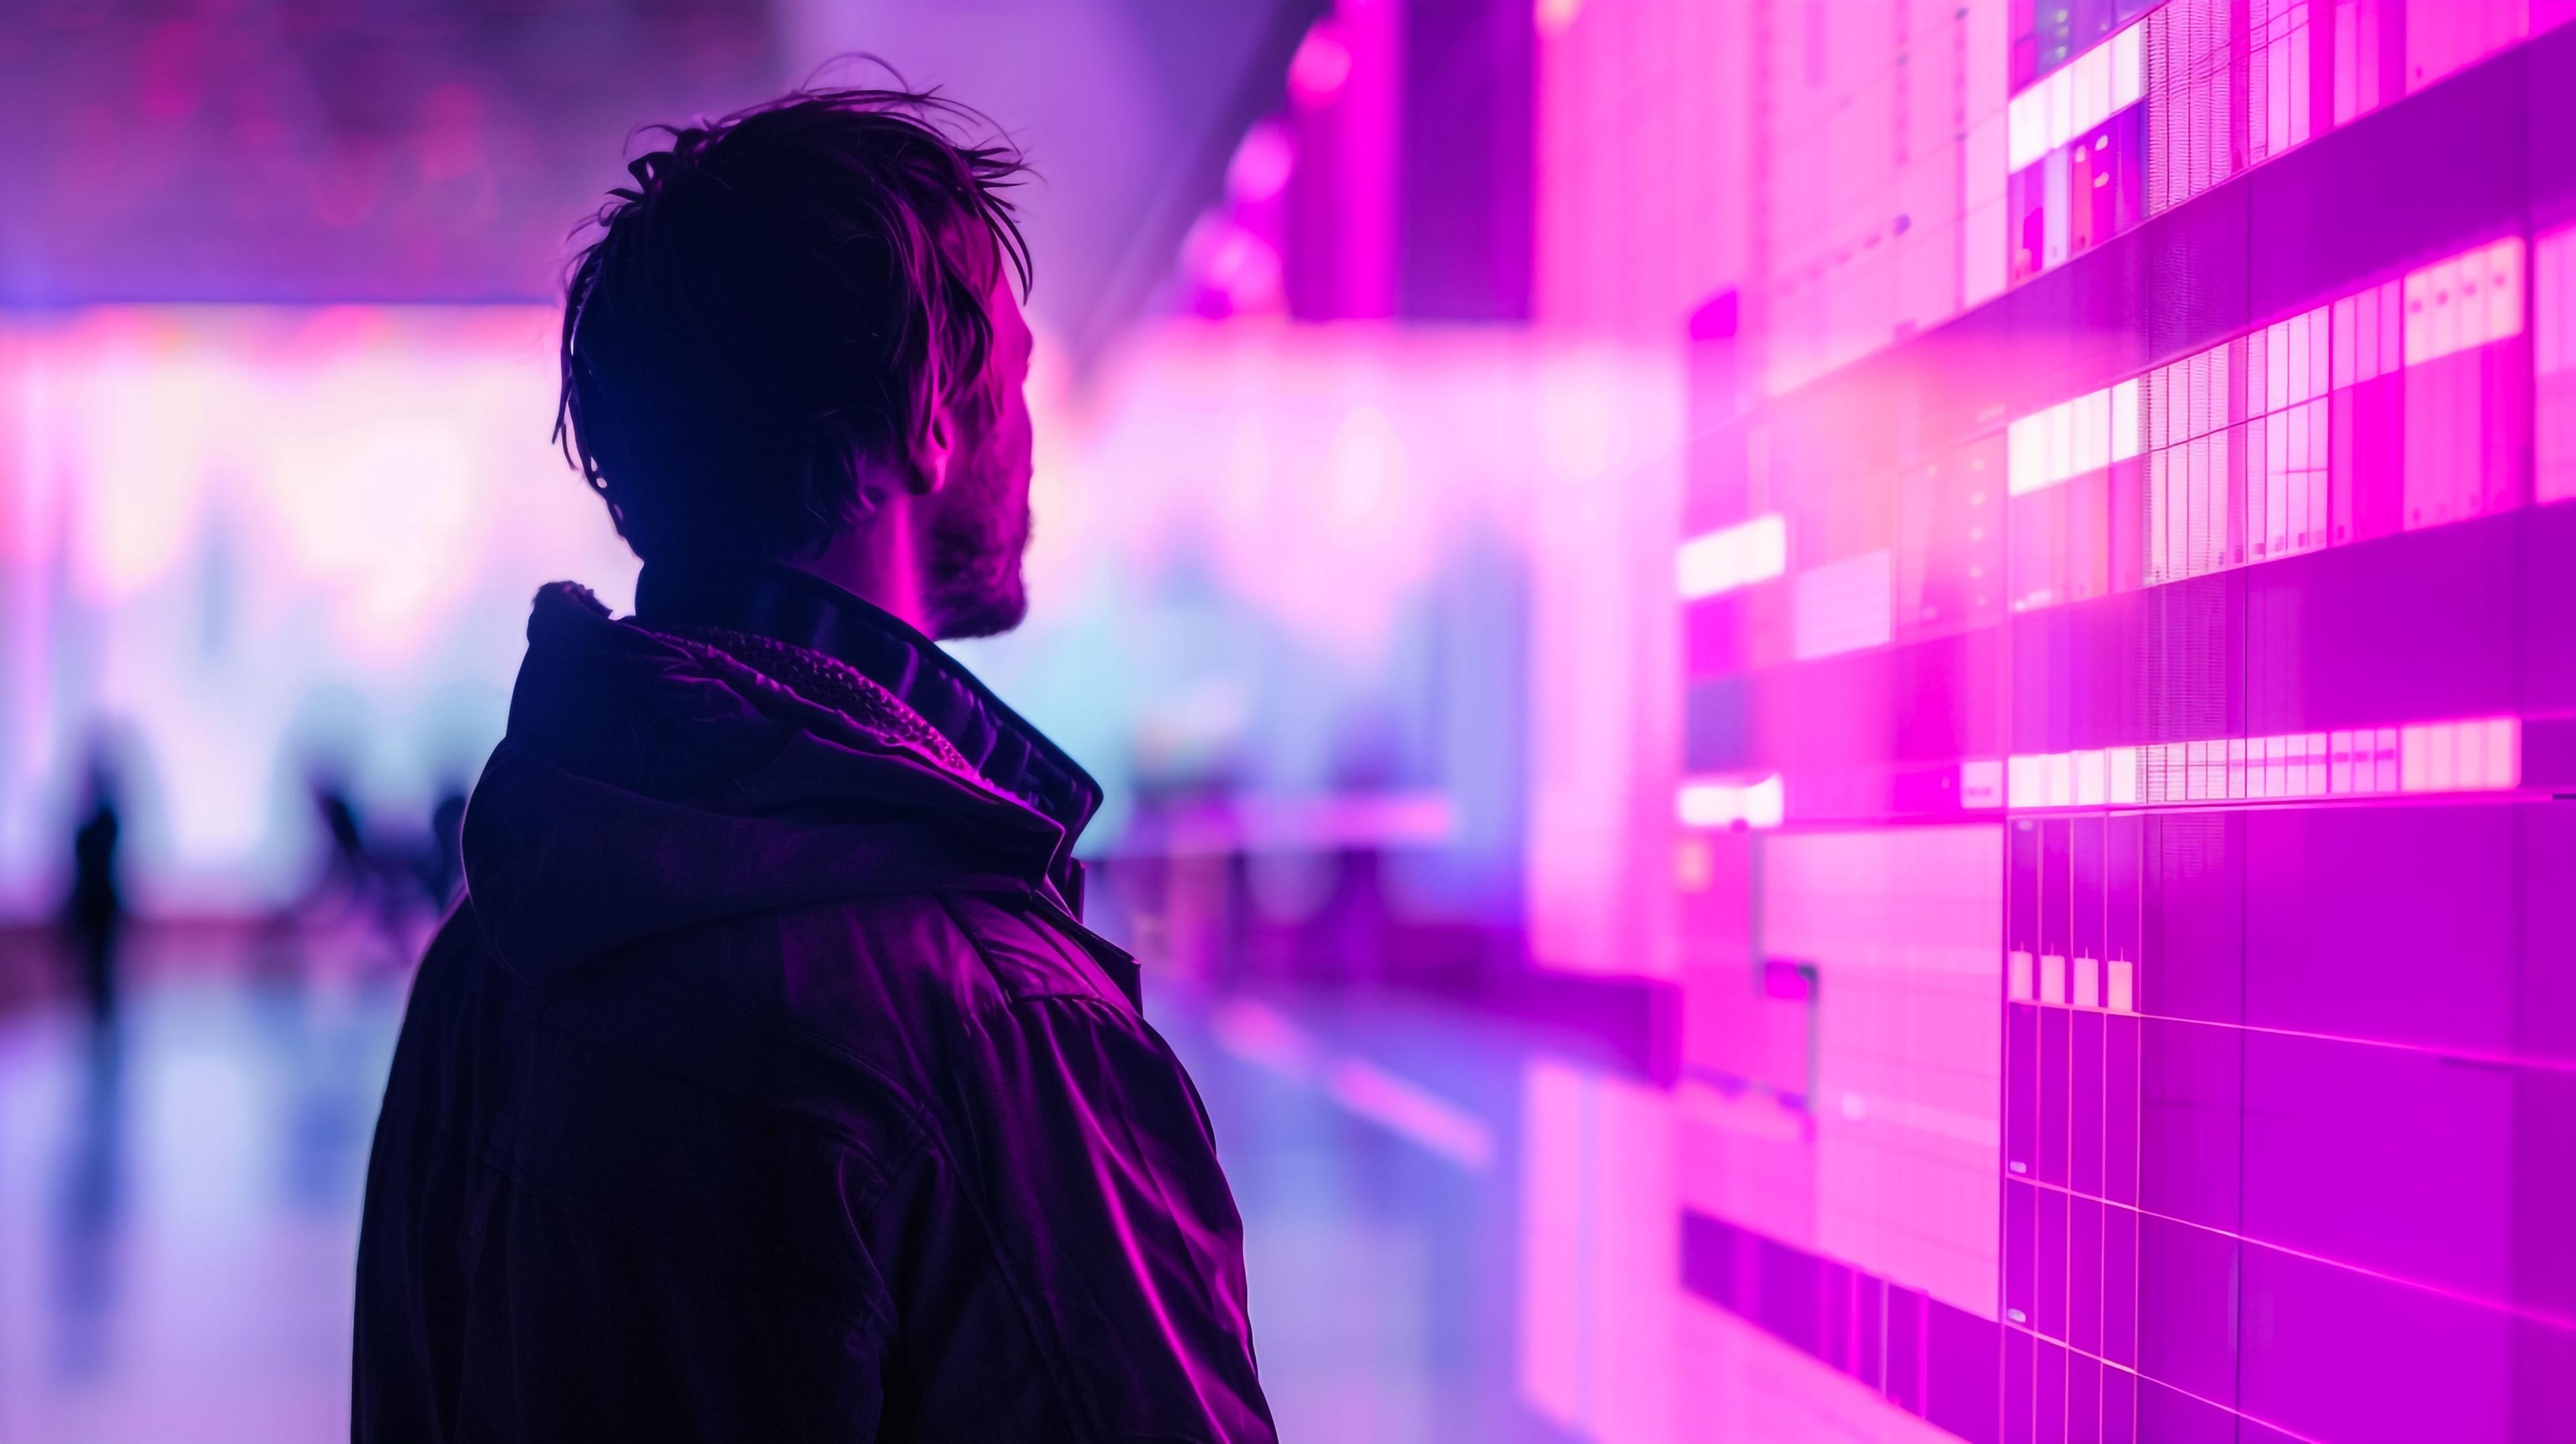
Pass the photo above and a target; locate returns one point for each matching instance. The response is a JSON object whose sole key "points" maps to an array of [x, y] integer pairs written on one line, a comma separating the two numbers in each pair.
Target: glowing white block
{"points": [[2504, 751], [2078, 96], [1737, 556], [2424, 758], [2027, 784], [2071, 438], [2124, 421], [2123, 990], [2465, 301], [2091, 79], [2092, 778], [2125, 767], [2052, 978], [2088, 982], [2128, 67], [2026, 128], [1716, 804]]}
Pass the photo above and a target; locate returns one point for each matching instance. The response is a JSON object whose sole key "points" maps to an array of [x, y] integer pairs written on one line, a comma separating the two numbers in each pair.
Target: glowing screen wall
{"points": [[2129, 652]]}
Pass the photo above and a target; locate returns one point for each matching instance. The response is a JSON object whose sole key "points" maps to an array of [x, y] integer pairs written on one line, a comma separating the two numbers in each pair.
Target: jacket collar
{"points": [[787, 605]]}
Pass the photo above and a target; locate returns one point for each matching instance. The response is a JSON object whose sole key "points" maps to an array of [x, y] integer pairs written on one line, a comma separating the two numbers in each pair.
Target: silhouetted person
{"points": [[346, 878], [347, 864], [357, 878], [766, 1085], [94, 915]]}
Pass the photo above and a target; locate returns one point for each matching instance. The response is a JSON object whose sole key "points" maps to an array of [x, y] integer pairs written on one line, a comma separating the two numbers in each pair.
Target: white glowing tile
{"points": [[1727, 804], [2415, 758], [1981, 783], [2061, 779], [2467, 300], [2422, 288], [2504, 752], [2092, 84], [2385, 760], [2028, 781], [2504, 284], [2026, 454], [2314, 784], [1766, 803], [2026, 127], [1732, 557], [2469, 756], [2125, 765], [2124, 421], [2052, 978], [2092, 778], [2128, 67]]}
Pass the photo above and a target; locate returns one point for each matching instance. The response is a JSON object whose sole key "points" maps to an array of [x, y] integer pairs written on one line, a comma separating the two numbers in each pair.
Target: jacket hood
{"points": [[651, 781]]}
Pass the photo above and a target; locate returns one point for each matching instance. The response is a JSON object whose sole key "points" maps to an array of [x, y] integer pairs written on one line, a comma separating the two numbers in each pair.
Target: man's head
{"points": [[795, 339]]}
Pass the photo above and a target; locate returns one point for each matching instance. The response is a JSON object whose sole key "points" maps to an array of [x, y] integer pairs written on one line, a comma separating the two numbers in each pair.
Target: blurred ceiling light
{"points": [[1237, 273], [1321, 66], [1261, 164], [1556, 16]]}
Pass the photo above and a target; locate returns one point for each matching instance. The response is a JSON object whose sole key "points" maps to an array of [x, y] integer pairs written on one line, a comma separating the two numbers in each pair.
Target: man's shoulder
{"points": [[1030, 956], [889, 978]]}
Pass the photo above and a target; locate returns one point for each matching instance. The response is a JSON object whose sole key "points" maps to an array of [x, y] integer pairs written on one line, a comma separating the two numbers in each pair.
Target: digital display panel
{"points": [[2124, 910]]}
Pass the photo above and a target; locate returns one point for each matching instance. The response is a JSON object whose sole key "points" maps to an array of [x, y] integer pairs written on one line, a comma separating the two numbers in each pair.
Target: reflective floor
{"points": [[178, 1212]]}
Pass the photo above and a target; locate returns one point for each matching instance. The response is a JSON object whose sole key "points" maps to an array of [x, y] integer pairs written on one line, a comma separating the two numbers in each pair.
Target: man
{"points": [[764, 1085]]}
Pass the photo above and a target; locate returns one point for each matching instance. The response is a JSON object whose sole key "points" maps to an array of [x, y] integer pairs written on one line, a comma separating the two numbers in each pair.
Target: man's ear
{"points": [[932, 446]]}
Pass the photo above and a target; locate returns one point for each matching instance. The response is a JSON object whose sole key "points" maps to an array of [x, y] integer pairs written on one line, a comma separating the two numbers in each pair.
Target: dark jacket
{"points": [[765, 1086]]}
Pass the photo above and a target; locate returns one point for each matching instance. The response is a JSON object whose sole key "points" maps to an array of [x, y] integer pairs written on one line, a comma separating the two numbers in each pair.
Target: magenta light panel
{"points": [[2128, 871]]}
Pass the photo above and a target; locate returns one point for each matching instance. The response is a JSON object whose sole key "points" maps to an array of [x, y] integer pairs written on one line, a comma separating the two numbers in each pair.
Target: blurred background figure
{"points": [[94, 914]]}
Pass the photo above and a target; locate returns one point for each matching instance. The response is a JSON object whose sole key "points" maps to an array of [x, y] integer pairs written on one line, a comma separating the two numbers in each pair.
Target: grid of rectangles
{"points": [[2297, 435], [2222, 579], [1898, 929], [2116, 119]]}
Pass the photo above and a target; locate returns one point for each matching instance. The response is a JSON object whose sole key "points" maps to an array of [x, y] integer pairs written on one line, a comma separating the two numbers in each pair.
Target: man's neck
{"points": [[879, 563]]}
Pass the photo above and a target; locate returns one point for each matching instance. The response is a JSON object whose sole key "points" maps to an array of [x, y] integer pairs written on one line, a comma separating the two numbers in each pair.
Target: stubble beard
{"points": [[975, 584]]}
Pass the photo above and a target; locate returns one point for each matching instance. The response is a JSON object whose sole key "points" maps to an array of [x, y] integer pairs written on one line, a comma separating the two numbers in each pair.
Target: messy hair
{"points": [[782, 300]]}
